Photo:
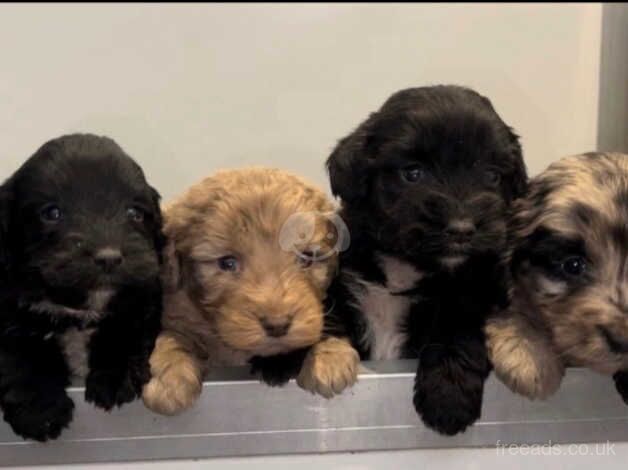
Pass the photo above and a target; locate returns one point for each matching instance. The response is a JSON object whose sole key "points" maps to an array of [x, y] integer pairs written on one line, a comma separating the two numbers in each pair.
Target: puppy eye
{"points": [[305, 259], [412, 174], [229, 264], [51, 213], [574, 266], [492, 177], [135, 214]]}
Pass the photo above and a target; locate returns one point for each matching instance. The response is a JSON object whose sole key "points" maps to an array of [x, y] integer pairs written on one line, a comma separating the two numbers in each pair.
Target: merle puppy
{"points": [[80, 255], [425, 183]]}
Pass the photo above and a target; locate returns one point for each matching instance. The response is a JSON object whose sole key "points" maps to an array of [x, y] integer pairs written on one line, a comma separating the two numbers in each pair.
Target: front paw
{"points": [[526, 366], [42, 418], [174, 390], [447, 397], [109, 388], [329, 367]]}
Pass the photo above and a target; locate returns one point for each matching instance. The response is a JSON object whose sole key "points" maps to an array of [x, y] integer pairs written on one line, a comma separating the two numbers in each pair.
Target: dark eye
{"points": [[412, 174], [135, 214], [305, 258], [229, 264], [492, 177], [51, 213], [574, 266]]}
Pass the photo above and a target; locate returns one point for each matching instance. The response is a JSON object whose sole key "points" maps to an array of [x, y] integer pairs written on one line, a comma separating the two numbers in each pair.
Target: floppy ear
{"points": [[519, 173], [171, 271], [348, 165], [526, 213], [5, 211], [160, 239]]}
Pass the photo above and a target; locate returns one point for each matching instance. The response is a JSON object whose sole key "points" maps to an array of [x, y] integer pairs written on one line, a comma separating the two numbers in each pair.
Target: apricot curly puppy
{"points": [[570, 266], [250, 255]]}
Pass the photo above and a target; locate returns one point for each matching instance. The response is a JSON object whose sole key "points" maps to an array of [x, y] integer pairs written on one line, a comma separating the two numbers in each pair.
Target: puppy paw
{"points": [[110, 388], [277, 370], [174, 391], [329, 367], [621, 384], [42, 418], [448, 399], [526, 366]]}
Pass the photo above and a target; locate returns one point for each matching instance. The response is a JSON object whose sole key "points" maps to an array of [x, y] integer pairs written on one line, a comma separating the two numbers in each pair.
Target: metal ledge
{"points": [[238, 416]]}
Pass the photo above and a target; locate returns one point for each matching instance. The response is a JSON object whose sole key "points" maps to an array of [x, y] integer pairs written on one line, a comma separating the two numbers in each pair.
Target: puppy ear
{"points": [[519, 174], [5, 211], [526, 213], [160, 239], [348, 165], [171, 272]]}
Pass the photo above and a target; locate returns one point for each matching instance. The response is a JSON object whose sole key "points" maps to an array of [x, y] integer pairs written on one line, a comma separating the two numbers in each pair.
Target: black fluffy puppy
{"points": [[80, 254], [425, 184]]}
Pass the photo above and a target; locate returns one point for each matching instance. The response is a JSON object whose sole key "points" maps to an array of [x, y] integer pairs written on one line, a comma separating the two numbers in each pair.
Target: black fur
{"points": [[621, 383], [469, 166], [49, 267], [277, 370]]}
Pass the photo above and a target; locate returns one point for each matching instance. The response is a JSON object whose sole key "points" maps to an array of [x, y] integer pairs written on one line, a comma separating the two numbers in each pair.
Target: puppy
{"points": [[80, 292], [251, 253], [569, 263], [425, 184]]}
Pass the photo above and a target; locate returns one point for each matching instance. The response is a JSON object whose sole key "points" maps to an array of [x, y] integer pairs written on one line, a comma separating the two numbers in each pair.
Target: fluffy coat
{"points": [[251, 254], [80, 292], [425, 183], [569, 263]]}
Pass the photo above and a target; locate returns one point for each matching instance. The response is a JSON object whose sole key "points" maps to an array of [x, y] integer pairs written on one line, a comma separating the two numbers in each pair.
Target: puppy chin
{"points": [[270, 347], [452, 262]]}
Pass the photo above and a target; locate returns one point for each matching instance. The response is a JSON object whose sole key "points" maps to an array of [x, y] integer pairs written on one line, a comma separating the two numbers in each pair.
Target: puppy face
{"points": [[256, 272], [79, 223], [430, 175], [570, 257]]}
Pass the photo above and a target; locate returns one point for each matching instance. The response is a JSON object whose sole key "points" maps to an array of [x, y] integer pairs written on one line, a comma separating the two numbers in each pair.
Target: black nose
{"points": [[460, 230], [276, 328], [108, 259]]}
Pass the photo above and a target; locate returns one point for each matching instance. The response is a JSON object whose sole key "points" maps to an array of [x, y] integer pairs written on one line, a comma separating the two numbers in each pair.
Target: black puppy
{"points": [[425, 184], [80, 255]]}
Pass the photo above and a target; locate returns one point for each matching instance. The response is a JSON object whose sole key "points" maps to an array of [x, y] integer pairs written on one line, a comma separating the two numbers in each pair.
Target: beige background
{"points": [[187, 89]]}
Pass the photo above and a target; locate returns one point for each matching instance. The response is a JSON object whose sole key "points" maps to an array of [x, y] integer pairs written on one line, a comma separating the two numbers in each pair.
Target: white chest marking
{"points": [[384, 311], [74, 343], [96, 303], [97, 300]]}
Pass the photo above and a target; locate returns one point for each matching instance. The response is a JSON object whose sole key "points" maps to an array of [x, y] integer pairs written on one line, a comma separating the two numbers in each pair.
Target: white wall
{"points": [[190, 88]]}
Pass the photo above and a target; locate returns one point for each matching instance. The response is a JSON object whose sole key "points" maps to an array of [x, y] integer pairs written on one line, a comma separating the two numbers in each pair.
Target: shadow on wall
{"points": [[613, 111]]}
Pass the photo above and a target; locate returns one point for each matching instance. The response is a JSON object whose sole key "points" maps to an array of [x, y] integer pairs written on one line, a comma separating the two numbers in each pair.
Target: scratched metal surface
{"points": [[237, 416]]}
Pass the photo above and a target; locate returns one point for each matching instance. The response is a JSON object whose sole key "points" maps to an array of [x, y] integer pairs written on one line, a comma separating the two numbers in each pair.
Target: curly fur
{"points": [[576, 209], [425, 183], [80, 294], [215, 317]]}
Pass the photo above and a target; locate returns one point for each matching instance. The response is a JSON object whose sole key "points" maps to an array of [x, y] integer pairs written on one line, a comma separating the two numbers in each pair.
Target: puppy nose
{"points": [[460, 229], [108, 259], [276, 328]]}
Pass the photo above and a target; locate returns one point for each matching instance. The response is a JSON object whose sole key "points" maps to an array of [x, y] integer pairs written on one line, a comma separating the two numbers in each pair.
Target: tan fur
{"points": [[217, 315], [177, 377], [329, 367], [523, 357], [547, 327]]}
